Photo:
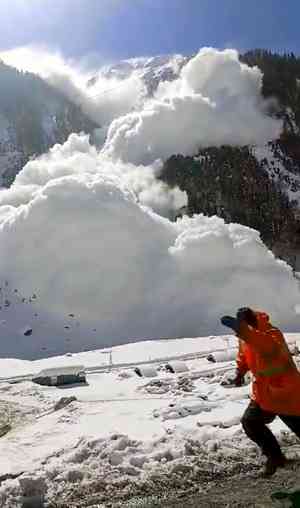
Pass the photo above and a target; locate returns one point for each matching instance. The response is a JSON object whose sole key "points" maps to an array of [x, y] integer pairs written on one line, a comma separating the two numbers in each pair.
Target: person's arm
{"points": [[242, 366], [241, 361]]}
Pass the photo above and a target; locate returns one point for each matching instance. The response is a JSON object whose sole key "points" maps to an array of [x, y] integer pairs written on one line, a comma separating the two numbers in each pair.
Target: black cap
{"points": [[248, 315]]}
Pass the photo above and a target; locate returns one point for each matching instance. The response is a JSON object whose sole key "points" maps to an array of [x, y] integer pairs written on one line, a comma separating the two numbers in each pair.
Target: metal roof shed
{"points": [[58, 376]]}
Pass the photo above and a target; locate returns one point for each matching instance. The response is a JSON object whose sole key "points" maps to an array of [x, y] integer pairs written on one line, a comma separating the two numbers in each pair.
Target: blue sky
{"points": [[115, 29]]}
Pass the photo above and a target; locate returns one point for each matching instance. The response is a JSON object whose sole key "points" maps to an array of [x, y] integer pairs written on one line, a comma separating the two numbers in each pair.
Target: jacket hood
{"points": [[263, 321]]}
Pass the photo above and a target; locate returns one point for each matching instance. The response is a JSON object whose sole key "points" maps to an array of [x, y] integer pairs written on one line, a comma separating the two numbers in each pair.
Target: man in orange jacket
{"points": [[276, 384]]}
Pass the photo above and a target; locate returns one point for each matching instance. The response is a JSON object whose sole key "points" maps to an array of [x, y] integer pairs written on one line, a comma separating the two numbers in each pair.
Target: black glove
{"points": [[231, 322], [211, 358], [239, 379]]}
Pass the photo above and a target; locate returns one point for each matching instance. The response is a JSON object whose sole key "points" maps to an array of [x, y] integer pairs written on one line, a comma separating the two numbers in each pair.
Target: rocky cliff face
{"points": [[33, 117]]}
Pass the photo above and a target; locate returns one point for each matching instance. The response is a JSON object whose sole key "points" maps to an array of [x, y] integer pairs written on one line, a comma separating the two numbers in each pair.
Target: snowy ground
{"points": [[125, 436]]}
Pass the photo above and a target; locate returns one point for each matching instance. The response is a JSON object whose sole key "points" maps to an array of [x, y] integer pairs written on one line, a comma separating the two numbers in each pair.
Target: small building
{"points": [[58, 376], [227, 355], [146, 371], [177, 367]]}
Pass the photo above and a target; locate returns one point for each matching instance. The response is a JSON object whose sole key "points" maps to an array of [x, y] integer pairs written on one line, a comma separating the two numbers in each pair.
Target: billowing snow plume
{"points": [[216, 100], [73, 232], [78, 157], [84, 230], [106, 99]]}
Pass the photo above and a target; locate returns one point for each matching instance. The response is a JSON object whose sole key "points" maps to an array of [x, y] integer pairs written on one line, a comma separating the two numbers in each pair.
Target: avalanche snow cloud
{"points": [[88, 233], [73, 231], [216, 100], [105, 99]]}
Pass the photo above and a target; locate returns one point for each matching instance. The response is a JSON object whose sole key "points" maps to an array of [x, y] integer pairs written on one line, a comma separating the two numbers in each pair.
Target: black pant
{"points": [[254, 422]]}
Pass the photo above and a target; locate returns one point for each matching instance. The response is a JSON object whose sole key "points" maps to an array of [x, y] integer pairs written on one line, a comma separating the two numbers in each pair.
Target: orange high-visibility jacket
{"points": [[263, 351]]}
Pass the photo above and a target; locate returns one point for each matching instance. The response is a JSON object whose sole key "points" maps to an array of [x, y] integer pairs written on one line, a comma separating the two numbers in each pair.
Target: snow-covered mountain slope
{"points": [[33, 117], [121, 431], [282, 170], [152, 70]]}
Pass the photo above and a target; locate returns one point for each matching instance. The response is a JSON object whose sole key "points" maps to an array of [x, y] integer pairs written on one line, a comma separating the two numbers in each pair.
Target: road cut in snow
{"points": [[120, 426]]}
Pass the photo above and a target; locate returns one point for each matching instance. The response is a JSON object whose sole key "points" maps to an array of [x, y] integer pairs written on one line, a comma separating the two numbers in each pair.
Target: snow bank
{"points": [[117, 435]]}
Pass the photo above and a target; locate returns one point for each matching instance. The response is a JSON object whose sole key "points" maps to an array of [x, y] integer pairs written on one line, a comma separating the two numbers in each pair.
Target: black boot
{"points": [[272, 464]]}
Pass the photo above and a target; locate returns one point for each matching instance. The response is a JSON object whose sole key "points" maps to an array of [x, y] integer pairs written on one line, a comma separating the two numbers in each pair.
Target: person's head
{"points": [[248, 315]]}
